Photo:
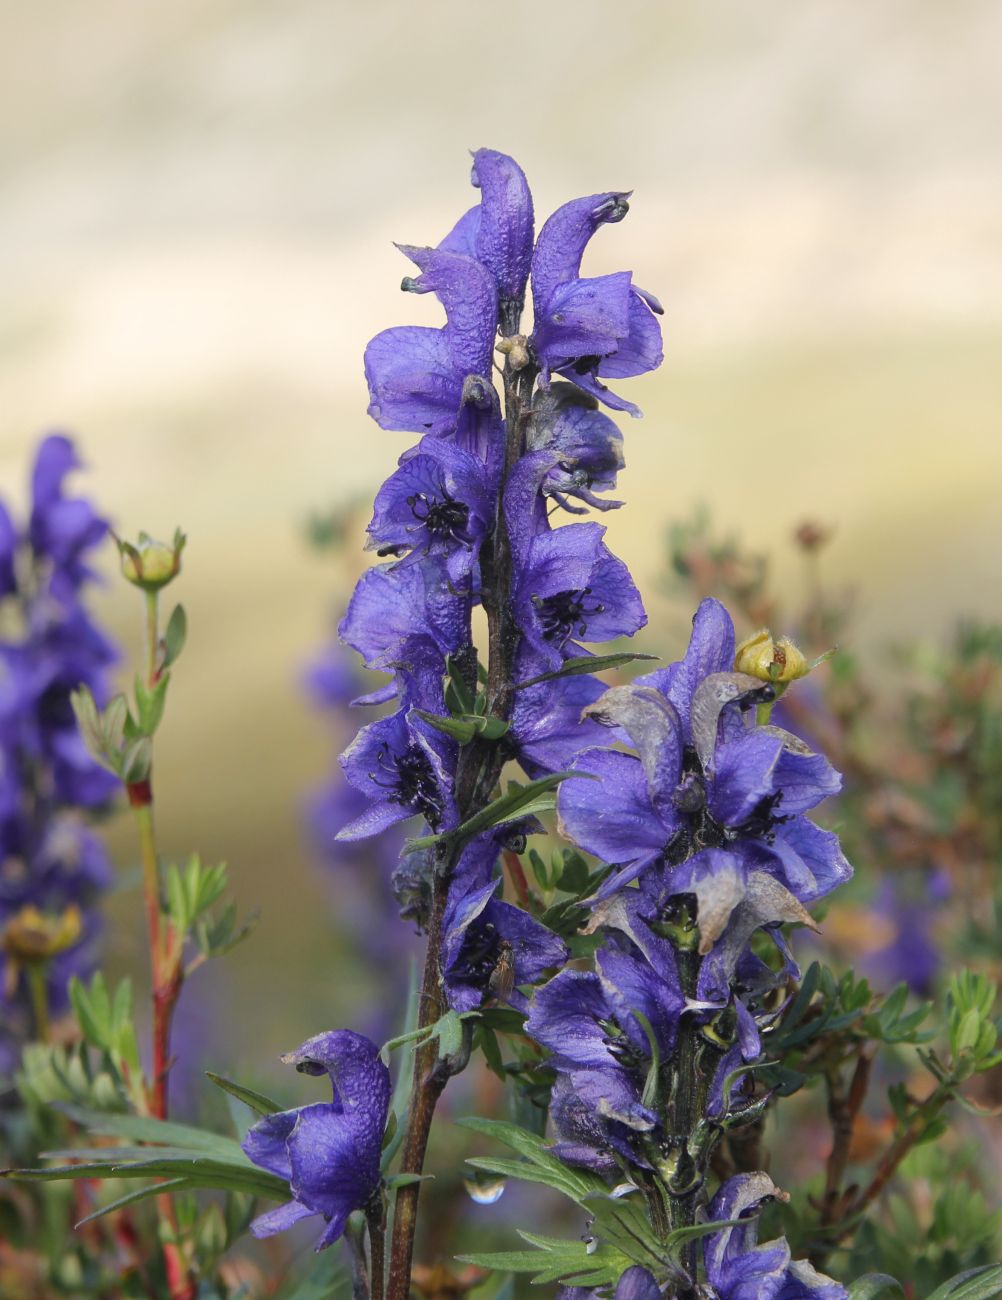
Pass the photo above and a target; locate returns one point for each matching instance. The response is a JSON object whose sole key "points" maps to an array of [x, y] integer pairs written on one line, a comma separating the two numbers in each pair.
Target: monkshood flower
{"points": [[587, 328], [498, 231], [604, 1028], [491, 947], [404, 768], [416, 374], [704, 777], [360, 872], [438, 502], [738, 1268], [583, 448], [329, 1152], [406, 619], [568, 586], [52, 869], [547, 726]]}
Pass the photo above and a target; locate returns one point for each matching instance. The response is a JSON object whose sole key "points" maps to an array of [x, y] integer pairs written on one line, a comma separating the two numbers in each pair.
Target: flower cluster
{"points": [[704, 827], [701, 823], [52, 868], [475, 496]]}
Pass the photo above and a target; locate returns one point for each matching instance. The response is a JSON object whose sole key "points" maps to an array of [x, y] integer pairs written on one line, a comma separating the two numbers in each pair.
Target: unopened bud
{"points": [[151, 564], [770, 661], [516, 348], [33, 936]]}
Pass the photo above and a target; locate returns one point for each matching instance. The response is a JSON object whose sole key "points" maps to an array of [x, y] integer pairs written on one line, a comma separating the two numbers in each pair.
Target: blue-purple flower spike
{"points": [[693, 802], [53, 869]]}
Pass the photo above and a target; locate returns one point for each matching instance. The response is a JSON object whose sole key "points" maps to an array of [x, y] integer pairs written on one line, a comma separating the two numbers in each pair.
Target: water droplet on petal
{"points": [[485, 1189]]}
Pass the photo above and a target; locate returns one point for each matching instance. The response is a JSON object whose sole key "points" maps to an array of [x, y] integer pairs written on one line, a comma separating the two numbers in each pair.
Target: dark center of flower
{"points": [[481, 950], [409, 780], [700, 830], [566, 613], [446, 518]]}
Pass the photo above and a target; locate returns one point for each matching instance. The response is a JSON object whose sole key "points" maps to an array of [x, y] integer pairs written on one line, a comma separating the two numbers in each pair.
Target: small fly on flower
{"points": [[502, 980]]}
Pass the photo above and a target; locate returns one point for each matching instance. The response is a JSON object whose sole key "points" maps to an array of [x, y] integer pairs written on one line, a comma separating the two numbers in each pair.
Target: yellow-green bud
{"points": [[31, 935], [151, 564], [760, 656]]}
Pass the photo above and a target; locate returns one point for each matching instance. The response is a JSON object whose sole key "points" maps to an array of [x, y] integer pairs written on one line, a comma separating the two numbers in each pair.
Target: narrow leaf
{"points": [[257, 1101], [584, 664]]}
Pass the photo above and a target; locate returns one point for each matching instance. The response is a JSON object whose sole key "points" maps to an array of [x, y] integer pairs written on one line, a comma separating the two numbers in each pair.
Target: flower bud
{"points": [[31, 935], [151, 564], [770, 661]]}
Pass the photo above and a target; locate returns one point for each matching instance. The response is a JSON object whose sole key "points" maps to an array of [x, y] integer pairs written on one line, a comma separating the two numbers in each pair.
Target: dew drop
{"points": [[485, 1189]]}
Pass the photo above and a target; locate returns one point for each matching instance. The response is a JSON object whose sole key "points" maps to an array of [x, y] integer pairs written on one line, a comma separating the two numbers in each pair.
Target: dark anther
{"points": [[566, 613], [409, 780], [445, 518], [612, 210]]}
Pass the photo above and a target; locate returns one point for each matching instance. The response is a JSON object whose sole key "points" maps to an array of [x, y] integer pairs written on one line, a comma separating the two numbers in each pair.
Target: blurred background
{"points": [[198, 206]]}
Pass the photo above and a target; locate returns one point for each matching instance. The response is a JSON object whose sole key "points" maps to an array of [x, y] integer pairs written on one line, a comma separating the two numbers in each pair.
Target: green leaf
{"points": [[555, 1259], [449, 1032], [974, 1284], [144, 1128], [257, 1101], [584, 664], [175, 635], [130, 1198], [150, 703], [519, 801], [198, 1171], [405, 1180], [462, 698], [93, 1011], [872, 1284], [137, 760]]}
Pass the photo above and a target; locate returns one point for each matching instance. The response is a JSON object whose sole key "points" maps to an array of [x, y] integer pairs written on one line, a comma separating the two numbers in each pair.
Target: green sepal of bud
{"points": [[150, 564]]}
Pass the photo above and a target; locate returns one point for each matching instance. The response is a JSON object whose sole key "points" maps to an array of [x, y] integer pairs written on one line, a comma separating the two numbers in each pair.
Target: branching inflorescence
{"points": [[694, 804]]}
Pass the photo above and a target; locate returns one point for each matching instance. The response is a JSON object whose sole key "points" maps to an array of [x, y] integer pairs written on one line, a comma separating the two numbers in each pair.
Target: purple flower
{"points": [[416, 375], [572, 588], [490, 947], [602, 1029], [401, 765], [583, 448], [437, 502], [52, 869], [547, 727], [328, 1152], [406, 619], [704, 777], [498, 231], [737, 1268], [599, 326]]}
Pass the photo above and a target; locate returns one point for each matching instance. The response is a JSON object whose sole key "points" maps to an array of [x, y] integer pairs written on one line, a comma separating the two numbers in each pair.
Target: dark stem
{"points": [[375, 1217], [843, 1107], [477, 773], [691, 1086]]}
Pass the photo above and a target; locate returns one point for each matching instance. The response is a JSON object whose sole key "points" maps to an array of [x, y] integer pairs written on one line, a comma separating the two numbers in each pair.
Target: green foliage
{"points": [[517, 802], [554, 1259], [190, 1157], [581, 664]]}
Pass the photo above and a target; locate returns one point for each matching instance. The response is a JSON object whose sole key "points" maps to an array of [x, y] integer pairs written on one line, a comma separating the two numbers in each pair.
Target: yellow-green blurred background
{"points": [[198, 203]]}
